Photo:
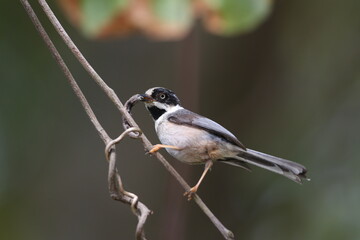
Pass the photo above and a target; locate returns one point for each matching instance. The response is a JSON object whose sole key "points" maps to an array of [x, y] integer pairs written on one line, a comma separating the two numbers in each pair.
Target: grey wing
{"points": [[186, 117]]}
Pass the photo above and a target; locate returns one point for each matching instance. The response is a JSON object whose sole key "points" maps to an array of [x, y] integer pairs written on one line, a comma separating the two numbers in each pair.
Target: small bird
{"points": [[194, 139]]}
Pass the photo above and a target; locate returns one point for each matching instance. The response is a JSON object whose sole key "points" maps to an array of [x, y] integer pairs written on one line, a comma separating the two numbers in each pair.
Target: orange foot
{"points": [[189, 194], [157, 147]]}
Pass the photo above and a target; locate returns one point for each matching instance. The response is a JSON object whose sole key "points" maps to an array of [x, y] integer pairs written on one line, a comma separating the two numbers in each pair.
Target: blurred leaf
{"points": [[98, 19], [97, 14], [234, 16], [173, 11], [172, 17], [164, 19]]}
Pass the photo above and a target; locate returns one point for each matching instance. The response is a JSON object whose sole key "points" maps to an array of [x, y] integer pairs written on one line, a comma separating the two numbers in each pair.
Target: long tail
{"points": [[289, 169]]}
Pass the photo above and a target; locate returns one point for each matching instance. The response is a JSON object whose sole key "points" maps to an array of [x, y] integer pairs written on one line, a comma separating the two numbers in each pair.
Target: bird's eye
{"points": [[162, 96]]}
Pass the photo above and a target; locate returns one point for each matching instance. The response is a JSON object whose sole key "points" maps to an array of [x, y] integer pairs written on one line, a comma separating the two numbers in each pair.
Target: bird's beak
{"points": [[146, 98]]}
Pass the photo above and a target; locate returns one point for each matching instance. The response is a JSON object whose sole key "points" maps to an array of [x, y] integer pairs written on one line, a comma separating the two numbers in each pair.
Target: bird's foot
{"points": [[157, 147], [189, 194]]}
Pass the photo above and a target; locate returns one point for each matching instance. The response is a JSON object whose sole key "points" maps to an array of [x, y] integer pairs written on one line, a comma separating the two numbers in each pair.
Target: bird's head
{"points": [[159, 100]]}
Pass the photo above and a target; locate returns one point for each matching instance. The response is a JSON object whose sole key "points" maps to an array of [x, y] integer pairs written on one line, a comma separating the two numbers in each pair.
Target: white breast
{"points": [[197, 145], [192, 142], [179, 135]]}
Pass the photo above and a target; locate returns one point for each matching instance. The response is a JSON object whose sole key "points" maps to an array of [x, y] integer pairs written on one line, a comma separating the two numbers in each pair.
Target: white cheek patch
{"points": [[166, 107], [161, 105], [158, 105]]}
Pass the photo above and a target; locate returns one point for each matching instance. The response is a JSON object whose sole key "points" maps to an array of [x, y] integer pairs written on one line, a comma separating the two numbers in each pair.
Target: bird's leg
{"points": [[193, 190], [157, 147]]}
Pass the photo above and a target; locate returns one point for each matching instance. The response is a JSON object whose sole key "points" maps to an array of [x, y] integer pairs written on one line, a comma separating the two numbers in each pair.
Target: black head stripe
{"points": [[170, 97], [156, 112]]}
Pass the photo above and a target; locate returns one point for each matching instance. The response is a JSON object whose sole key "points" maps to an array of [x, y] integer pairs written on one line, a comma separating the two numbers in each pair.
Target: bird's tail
{"points": [[289, 169]]}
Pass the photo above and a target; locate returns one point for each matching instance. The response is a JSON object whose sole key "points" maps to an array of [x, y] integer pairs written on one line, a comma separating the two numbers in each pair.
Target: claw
{"points": [[194, 189], [154, 149], [189, 194]]}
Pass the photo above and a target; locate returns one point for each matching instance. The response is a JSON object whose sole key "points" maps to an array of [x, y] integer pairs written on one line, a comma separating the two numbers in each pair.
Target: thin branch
{"points": [[74, 49], [117, 191], [113, 97], [66, 70]]}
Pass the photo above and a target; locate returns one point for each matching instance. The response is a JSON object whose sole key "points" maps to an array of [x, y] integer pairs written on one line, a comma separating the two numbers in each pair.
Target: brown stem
{"points": [[117, 191], [113, 97], [115, 185]]}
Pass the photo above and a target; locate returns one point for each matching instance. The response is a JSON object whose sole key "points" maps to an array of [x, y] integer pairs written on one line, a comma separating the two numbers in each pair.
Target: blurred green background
{"points": [[290, 88]]}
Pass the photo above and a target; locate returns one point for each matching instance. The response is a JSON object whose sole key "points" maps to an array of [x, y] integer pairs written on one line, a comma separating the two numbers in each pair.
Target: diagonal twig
{"points": [[113, 97], [117, 191]]}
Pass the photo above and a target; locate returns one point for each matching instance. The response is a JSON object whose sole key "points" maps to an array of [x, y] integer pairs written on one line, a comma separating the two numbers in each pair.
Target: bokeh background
{"points": [[290, 88]]}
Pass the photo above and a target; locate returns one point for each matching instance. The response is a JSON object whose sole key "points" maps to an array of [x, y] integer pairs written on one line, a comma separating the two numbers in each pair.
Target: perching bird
{"points": [[194, 139]]}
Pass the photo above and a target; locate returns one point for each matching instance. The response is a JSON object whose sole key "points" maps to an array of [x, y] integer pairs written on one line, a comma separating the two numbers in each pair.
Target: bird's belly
{"points": [[196, 145]]}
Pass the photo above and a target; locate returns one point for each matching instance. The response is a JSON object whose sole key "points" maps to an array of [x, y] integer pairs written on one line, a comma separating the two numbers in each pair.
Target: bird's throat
{"points": [[156, 112]]}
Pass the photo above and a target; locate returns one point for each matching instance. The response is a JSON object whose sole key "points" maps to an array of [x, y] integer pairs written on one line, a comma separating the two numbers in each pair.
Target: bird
{"points": [[195, 139]]}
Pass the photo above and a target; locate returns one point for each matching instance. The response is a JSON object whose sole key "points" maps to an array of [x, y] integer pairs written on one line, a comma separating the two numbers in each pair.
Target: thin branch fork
{"points": [[227, 234], [116, 189]]}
